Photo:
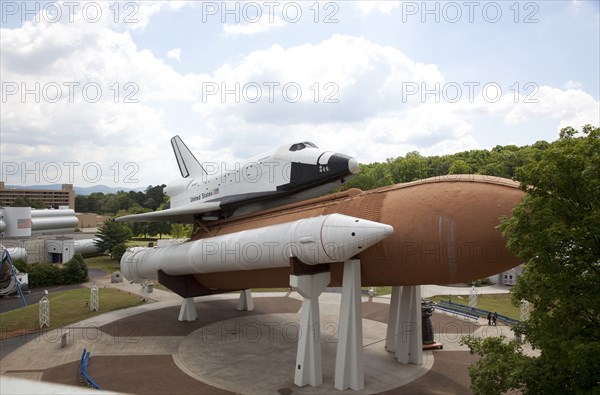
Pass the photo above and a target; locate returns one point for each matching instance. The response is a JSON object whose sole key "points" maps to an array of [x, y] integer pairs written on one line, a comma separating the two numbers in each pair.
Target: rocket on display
{"points": [[313, 241], [439, 230], [290, 173]]}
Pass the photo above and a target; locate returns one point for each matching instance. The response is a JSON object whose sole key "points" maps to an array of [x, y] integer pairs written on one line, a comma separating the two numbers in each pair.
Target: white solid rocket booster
{"points": [[324, 239]]}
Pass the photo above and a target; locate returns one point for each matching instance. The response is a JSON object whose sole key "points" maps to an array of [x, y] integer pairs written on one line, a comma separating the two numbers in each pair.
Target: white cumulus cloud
{"points": [[570, 84], [174, 53], [95, 96], [264, 23]]}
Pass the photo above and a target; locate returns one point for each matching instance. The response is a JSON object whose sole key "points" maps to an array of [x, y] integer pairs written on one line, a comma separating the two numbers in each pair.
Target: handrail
{"points": [[480, 312], [457, 312], [83, 363]]}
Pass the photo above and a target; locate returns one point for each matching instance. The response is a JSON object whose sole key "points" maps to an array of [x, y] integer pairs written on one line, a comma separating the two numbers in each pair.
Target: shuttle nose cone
{"points": [[342, 164], [353, 166], [343, 236]]}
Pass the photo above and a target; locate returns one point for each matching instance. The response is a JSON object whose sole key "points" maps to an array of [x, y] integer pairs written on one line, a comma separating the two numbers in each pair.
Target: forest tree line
{"points": [[500, 161], [133, 202]]}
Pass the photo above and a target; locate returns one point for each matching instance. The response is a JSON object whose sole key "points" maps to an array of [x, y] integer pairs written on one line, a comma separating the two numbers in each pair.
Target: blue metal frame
{"points": [[443, 305], [6, 255], [83, 363]]}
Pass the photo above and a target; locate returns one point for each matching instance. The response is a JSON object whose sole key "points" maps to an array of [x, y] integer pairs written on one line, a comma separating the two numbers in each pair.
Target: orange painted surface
{"points": [[444, 232]]}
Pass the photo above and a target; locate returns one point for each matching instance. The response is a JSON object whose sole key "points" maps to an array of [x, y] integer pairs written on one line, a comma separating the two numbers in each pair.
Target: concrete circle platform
{"points": [[259, 352], [146, 350]]}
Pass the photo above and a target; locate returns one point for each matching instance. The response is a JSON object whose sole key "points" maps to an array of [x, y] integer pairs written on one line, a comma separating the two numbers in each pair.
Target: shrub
{"points": [[43, 274], [75, 271], [483, 282], [46, 274], [118, 252]]}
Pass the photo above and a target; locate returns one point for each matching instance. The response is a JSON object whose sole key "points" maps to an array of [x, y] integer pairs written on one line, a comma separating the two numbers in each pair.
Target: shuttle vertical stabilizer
{"points": [[188, 164]]}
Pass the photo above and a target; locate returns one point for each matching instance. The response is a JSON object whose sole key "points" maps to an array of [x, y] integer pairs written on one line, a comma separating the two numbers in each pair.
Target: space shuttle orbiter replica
{"points": [[287, 174]]}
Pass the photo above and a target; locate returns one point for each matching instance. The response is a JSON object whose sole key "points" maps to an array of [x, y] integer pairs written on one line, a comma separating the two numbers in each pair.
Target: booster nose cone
{"points": [[133, 266], [353, 166], [343, 237]]}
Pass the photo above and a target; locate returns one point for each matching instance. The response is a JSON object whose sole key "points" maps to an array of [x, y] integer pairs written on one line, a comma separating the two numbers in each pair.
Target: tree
{"points": [[81, 204], [180, 231], [556, 231], [111, 234], [118, 252], [158, 228], [370, 176], [498, 370], [410, 168], [459, 166], [26, 202], [154, 196]]}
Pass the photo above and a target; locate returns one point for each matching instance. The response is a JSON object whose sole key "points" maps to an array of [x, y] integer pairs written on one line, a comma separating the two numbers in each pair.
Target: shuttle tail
{"points": [[188, 164]]}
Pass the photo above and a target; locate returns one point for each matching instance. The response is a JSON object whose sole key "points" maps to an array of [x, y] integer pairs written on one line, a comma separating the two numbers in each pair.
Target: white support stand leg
{"points": [[391, 338], [188, 310], [409, 346], [349, 366], [308, 358], [245, 303]]}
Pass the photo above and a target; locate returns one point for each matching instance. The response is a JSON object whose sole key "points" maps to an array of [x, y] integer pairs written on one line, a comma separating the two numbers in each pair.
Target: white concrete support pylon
{"points": [[245, 303], [392, 334], [349, 366], [308, 357], [409, 345], [188, 310]]}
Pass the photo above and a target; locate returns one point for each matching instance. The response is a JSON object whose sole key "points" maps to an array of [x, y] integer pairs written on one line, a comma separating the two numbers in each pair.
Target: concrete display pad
{"points": [[146, 350], [257, 355]]}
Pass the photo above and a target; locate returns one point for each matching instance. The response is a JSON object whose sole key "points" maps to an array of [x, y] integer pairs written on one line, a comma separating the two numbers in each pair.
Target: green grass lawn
{"points": [[110, 265], [379, 291], [500, 303], [141, 243], [66, 307], [103, 262]]}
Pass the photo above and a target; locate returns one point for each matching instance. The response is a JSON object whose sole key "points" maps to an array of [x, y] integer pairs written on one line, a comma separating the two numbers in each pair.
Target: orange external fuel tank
{"points": [[444, 233]]}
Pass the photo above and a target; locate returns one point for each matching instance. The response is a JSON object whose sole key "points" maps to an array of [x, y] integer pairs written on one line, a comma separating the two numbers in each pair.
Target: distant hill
{"points": [[78, 190]]}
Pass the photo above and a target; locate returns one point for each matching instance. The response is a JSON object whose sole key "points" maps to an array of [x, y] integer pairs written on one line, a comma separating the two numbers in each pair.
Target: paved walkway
{"points": [[145, 349]]}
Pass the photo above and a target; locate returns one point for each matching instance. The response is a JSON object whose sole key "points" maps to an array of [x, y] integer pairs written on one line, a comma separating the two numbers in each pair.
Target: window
{"points": [[297, 147], [301, 146]]}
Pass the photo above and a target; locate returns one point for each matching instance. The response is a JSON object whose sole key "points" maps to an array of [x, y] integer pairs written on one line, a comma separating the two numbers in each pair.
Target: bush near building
{"points": [[74, 271]]}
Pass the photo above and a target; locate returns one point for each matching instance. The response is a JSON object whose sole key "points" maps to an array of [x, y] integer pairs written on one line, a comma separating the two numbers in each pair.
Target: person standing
{"points": [[495, 319], [489, 317]]}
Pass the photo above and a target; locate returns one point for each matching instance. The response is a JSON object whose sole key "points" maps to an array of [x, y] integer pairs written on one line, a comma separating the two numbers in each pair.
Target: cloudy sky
{"points": [[93, 91]]}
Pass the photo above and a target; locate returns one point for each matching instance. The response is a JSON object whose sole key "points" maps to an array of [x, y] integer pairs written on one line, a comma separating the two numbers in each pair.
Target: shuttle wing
{"points": [[184, 214]]}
